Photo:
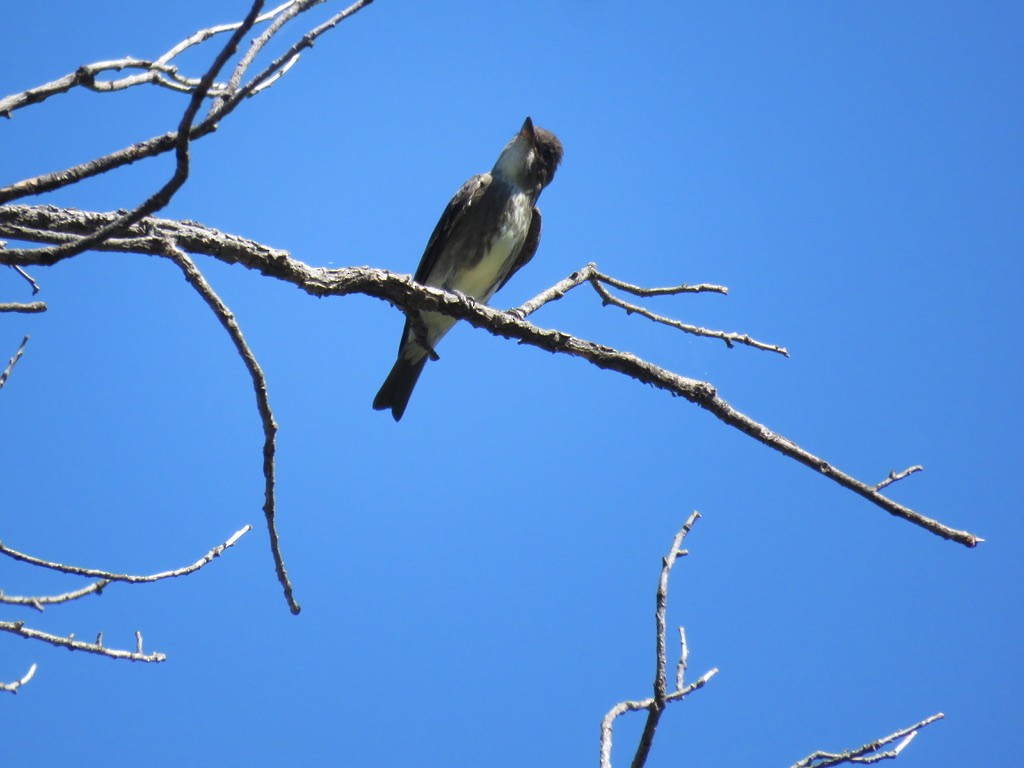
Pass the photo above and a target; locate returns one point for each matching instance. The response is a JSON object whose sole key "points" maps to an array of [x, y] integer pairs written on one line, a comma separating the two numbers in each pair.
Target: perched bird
{"points": [[489, 230]]}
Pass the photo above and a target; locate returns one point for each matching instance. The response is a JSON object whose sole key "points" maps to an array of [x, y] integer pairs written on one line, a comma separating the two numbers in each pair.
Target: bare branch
{"points": [[38, 602], [153, 235], [555, 292], [13, 687], [182, 165], [895, 476], [672, 290], [285, 60], [151, 72], [159, 72], [597, 279], [123, 577], [589, 273], [867, 753], [635, 706], [31, 307], [69, 642], [660, 679], [684, 655], [728, 337], [24, 274], [259, 384], [222, 108], [205, 34], [13, 361], [662, 697]]}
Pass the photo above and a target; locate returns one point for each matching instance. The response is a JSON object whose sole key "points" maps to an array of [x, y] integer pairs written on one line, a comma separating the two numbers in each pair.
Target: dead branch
{"points": [[598, 280], [12, 362], [38, 602], [23, 273], [870, 752], [13, 687], [228, 97], [125, 578], [153, 236], [163, 196], [662, 696], [18, 628], [590, 272], [31, 307], [895, 476], [106, 577], [259, 385]]}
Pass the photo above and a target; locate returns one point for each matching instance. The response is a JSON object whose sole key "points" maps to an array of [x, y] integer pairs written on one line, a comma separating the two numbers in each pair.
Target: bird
{"points": [[488, 232]]}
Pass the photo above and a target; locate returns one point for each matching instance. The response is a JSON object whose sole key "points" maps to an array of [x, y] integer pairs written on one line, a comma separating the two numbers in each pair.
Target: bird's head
{"points": [[531, 158]]}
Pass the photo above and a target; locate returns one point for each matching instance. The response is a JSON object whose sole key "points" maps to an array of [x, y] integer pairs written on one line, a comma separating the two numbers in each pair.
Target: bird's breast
{"points": [[498, 251]]}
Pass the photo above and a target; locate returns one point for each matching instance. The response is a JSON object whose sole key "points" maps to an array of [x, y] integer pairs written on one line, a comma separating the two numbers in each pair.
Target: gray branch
{"points": [[154, 236]]}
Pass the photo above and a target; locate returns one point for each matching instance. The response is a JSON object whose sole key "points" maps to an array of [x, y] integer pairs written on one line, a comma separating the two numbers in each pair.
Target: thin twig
{"points": [[28, 278], [684, 655], [286, 59], [672, 290], [894, 476], [867, 753], [40, 601], [69, 642], [13, 361], [205, 34], [728, 337], [259, 384], [555, 292], [13, 687], [125, 577], [589, 273]]}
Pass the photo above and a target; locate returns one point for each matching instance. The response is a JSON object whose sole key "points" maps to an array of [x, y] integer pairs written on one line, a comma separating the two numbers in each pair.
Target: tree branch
{"points": [[867, 753], [13, 687], [18, 628], [166, 142], [12, 362], [38, 602], [181, 150], [662, 697], [152, 236], [259, 385], [31, 307], [125, 577]]}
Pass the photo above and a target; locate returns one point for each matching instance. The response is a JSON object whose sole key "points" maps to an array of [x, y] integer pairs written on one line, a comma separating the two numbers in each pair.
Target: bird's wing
{"points": [[529, 246], [471, 192]]}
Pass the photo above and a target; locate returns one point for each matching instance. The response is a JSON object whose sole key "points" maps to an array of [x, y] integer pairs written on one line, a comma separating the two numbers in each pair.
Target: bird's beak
{"points": [[527, 131]]}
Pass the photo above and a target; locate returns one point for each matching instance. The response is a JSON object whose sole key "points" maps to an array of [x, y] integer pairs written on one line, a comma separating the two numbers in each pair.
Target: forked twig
{"points": [[598, 280], [662, 696], [870, 752]]}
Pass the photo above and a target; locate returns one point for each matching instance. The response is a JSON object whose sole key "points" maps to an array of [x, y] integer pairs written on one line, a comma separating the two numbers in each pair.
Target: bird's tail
{"points": [[398, 386]]}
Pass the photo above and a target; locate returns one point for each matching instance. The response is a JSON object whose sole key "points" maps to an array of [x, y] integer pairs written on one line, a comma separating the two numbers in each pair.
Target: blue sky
{"points": [[478, 581]]}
